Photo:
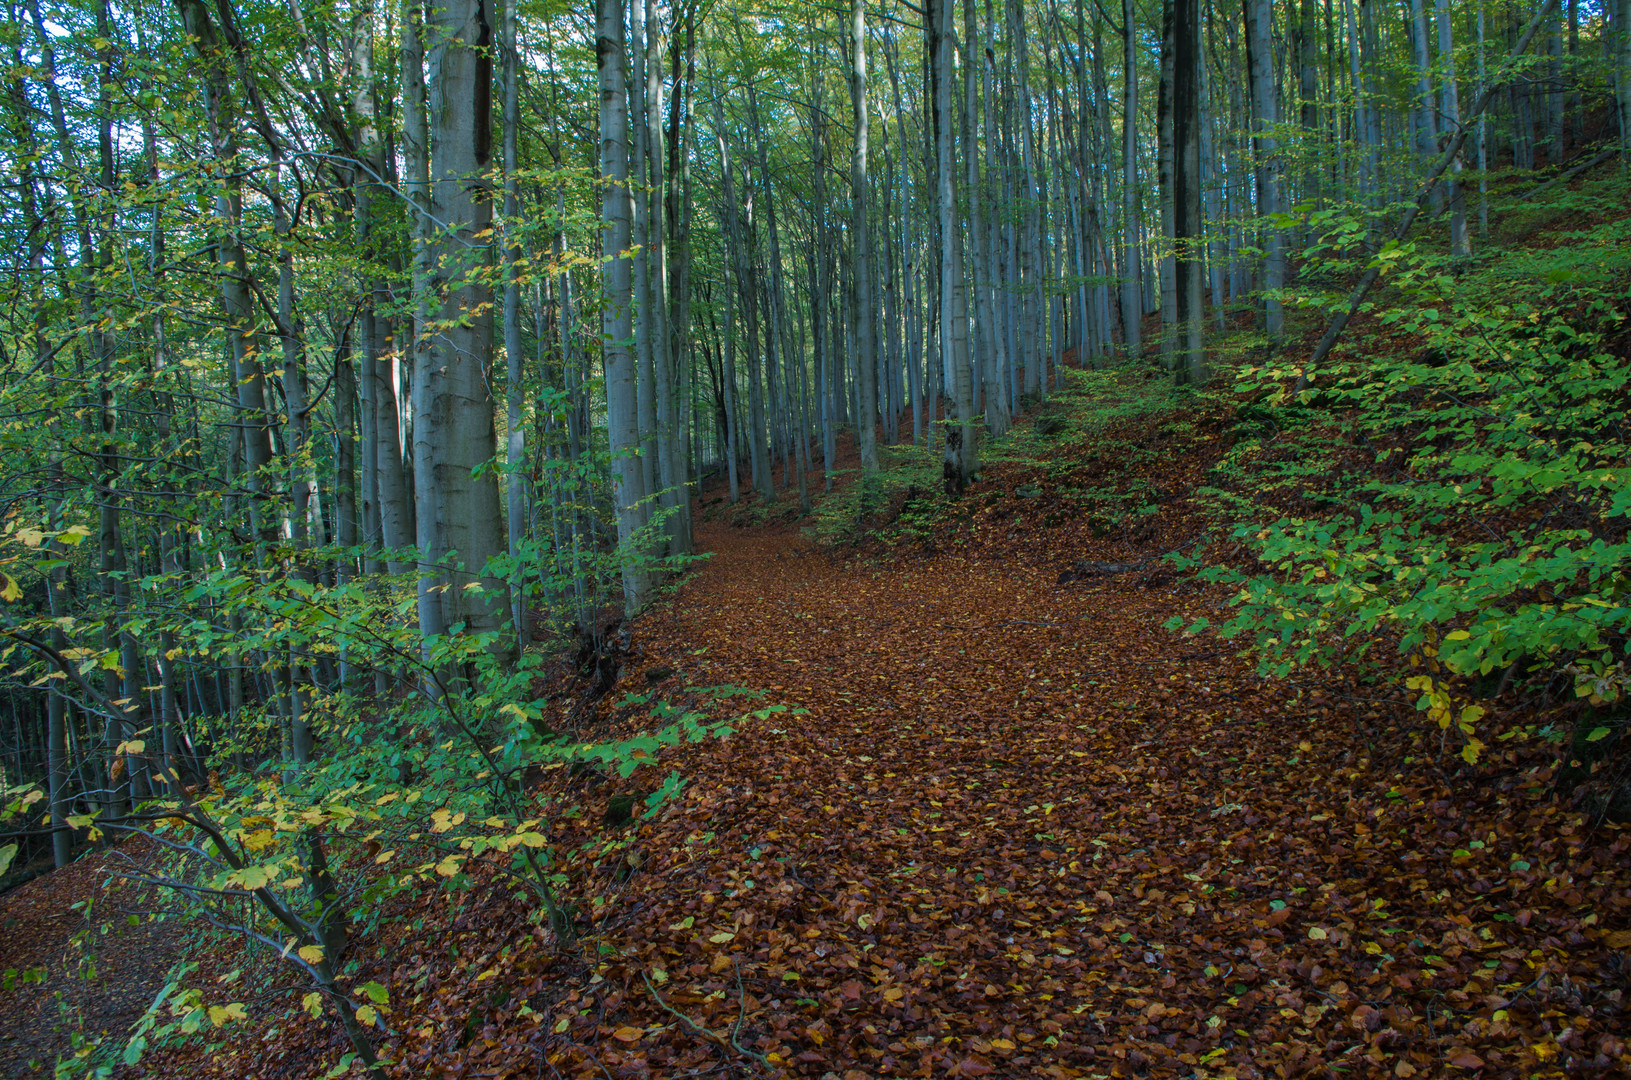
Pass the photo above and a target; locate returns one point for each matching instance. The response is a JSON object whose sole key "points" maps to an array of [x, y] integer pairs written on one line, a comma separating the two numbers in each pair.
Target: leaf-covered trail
{"points": [[1023, 830]]}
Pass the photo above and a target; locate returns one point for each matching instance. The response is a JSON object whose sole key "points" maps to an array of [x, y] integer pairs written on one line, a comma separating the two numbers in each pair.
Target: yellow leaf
{"points": [[722, 937], [313, 1004], [1317, 933], [627, 1034], [366, 1015], [11, 591], [220, 1014], [449, 866], [258, 839], [385, 856], [254, 877], [893, 994], [562, 1024], [685, 923], [311, 954]]}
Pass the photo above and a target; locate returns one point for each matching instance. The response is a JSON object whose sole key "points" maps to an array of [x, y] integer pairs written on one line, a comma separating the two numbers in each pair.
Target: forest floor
{"points": [[57, 980], [1010, 825], [1015, 827]]}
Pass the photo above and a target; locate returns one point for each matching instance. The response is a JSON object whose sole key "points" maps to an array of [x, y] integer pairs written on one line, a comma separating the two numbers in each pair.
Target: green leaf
{"points": [[1598, 734], [7, 853], [376, 993]]}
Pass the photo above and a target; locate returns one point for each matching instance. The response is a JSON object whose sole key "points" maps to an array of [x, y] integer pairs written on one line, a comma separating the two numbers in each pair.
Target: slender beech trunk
{"points": [[1189, 228], [1260, 61], [515, 450], [1132, 304], [628, 486], [1165, 163], [1452, 118], [866, 361], [962, 459]]}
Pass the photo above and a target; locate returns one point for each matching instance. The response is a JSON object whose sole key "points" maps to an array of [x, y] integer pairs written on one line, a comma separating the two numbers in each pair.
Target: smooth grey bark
{"points": [[1212, 195], [1308, 97], [662, 453], [1165, 163], [982, 312], [866, 360], [1481, 134], [1260, 61], [962, 458], [1033, 347], [388, 457], [1362, 124], [727, 378], [1452, 118], [668, 344], [622, 420], [644, 335], [1188, 226], [1425, 119], [1621, 54], [459, 517], [1132, 304], [515, 448]]}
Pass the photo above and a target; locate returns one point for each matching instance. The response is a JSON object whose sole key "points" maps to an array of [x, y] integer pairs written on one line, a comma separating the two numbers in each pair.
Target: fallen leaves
{"points": [[1023, 831]]}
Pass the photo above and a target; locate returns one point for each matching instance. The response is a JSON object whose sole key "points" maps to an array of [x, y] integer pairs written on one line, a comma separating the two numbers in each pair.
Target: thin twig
{"points": [[728, 1041]]}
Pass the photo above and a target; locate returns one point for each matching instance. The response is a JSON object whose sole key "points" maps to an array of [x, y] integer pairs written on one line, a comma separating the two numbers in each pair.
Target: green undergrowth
{"points": [[451, 781], [906, 504], [1446, 503]]}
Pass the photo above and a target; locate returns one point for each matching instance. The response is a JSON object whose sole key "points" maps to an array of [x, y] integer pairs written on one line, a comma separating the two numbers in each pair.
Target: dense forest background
{"points": [[359, 359]]}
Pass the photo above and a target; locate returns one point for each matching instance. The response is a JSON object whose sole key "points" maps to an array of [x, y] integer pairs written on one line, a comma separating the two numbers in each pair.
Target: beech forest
{"points": [[878, 538]]}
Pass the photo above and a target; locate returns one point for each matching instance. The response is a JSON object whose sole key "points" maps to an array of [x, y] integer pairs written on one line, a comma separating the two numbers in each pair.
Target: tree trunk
{"points": [[515, 450], [459, 515], [961, 447], [1132, 304], [1260, 60], [1452, 117], [1188, 227], [622, 420]]}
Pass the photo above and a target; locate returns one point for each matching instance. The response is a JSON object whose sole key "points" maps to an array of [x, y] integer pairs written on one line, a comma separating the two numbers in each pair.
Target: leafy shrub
{"points": [[1491, 530]]}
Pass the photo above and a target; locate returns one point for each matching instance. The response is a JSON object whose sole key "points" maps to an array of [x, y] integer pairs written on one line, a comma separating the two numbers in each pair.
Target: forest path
{"points": [[999, 837], [53, 987], [1021, 830]]}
